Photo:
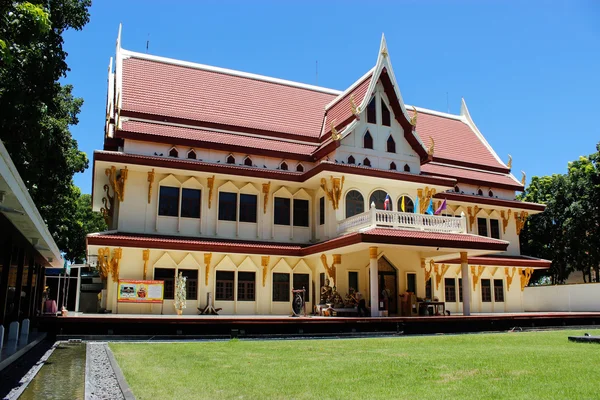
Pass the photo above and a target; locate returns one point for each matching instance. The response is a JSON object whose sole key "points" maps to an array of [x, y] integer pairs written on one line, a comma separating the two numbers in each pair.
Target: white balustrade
{"points": [[403, 220]]}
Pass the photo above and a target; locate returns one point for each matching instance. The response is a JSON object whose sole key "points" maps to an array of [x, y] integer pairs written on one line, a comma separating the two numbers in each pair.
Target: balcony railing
{"points": [[402, 220]]}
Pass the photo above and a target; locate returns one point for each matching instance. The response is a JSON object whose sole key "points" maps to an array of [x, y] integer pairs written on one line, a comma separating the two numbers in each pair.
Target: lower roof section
{"points": [[467, 198], [472, 176], [373, 236], [505, 261]]}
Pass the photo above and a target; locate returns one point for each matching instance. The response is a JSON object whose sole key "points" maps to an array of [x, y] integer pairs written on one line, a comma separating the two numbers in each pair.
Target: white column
{"points": [[374, 289], [466, 287]]}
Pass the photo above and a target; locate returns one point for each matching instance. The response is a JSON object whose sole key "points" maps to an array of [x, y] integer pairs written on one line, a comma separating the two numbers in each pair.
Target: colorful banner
{"points": [[140, 291]]}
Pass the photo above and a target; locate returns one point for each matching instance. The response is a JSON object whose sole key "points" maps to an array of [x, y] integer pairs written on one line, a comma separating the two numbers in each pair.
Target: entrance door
{"points": [[388, 279]]}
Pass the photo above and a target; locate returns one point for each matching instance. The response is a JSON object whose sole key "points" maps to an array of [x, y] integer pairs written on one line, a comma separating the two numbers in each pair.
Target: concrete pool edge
{"points": [[125, 389]]}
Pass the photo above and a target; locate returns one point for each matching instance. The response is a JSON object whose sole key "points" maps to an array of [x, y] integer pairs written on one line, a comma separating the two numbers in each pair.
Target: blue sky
{"points": [[529, 71]]}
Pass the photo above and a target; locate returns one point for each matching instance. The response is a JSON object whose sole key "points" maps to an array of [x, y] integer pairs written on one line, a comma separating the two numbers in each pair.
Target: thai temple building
{"points": [[252, 186]]}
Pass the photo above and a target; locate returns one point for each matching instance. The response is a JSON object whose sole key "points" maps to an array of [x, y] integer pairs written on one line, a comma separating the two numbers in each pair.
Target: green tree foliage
{"points": [[37, 110], [568, 232]]}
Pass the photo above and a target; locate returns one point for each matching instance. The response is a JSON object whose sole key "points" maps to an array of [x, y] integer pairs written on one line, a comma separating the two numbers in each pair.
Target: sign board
{"points": [[131, 291]]}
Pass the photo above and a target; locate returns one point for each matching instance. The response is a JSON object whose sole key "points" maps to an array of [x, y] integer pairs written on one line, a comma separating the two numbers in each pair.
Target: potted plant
{"points": [[180, 282]]}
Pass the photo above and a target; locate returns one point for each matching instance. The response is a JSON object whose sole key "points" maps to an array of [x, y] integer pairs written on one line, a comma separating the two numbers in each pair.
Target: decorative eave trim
{"points": [[466, 198], [504, 261], [349, 89], [479, 182]]}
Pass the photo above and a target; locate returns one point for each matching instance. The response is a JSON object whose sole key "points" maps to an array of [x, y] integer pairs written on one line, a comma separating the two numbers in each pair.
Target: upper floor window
{"points": [[173, 152], [351, 160], [168, 201], [393, 166], [355, 203], [248, 207], [372, 112], [385, 115], [405, 204], [482, 227], [491, 194], [300, 212], [406, 168], [456, 189], [381, 200], [322, 211], [283, 166], [479, 192], [248, 161], [495, 228], [367, 162], [391, 145], [281, 216], [227, 206], [299, 168], [230, 159], [368, 140], [190, 203], [191, 155]]}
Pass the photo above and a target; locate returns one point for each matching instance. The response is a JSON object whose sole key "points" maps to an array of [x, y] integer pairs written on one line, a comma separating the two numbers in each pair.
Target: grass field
{"points": [[532, 365]]}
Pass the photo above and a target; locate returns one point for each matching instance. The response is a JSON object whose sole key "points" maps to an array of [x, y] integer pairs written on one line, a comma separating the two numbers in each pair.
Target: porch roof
{"points": [[505, 261], [375, 236]]}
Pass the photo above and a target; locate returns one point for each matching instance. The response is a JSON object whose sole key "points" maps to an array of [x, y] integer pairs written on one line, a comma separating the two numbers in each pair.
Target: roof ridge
{"points": [[247, 75]]}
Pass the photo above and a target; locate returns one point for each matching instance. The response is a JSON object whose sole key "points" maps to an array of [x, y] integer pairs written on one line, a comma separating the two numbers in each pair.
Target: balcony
{"points": [[401, 220]]}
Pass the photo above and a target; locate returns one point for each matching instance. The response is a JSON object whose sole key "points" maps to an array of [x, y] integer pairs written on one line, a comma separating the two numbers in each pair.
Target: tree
{"points": [[37, 110], [84, 221]]}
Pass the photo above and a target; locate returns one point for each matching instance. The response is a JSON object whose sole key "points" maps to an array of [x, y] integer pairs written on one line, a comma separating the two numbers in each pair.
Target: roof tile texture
{"points": [[464, 173]]}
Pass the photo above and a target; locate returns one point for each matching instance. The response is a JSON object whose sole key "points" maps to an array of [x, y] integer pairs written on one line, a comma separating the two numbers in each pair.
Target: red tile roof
{"points": [[475, 177], [505, 261], [340, 111], [192, 136], [169, 90], [467, 198]]}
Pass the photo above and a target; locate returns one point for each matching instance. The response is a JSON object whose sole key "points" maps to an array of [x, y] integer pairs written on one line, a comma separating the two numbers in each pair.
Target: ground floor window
{"points": [[301, 281], [281, 287], [428, 289], [411, 283], [450, 290], [498, 290], [246, 286], [224, 285], [486, 291], [167, 275], [353, 280], [191, 283]]}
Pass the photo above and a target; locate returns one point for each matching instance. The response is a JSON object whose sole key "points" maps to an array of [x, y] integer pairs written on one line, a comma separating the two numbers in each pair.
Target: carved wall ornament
{"points": [[509, 276], [117, 182], [108, 264], [335, 193], [335, 135], [458, 270], [440, 271], [331, 271], [264, 262], [353, 109], [424, 196], [523, 178], [146, 257], [116, 264], [107, 210], [211, 185], [413, 119], [476, 272], [472, 213], [525, 274], [207, 258], [520, 218], [266, 188], [509, 163], [431, 148], [426, 269], [494, 270], [505, 218], [150, 182]]}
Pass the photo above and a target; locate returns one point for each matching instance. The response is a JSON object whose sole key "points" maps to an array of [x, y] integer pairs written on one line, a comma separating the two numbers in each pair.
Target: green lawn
{"points": [[502, 365]]}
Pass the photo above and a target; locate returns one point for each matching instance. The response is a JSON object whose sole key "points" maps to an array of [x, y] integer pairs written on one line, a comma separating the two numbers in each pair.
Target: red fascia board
{"points": [[490, 201], [503, 261], [470, 165], [323, 151], [123, 134], [455, 244], [212, 125], [291, 176], [478, 182]]}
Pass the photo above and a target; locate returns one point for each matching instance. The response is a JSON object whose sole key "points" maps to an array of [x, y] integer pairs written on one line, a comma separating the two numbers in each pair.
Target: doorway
{"points": [[388, 279]]}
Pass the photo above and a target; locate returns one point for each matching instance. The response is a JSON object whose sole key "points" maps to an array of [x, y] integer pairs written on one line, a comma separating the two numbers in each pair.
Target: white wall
{"points": [[583, 297]]}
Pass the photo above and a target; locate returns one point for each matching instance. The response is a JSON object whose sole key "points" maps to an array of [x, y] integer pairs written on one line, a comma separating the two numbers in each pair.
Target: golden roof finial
{"points": [[335, 136], [509, 163], [384, 52], [523, 178], [413, 119], [355, 110], [431, 147]]}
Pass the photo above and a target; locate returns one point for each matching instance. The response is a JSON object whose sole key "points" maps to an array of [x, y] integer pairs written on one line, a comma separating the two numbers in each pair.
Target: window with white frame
{"points": [[190, 203], [227, 206], [168, 201], [281, 215]]}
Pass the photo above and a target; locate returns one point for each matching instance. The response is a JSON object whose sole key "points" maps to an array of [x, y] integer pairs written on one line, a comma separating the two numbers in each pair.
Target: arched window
{"points": [[283, 166], [351, 160], [393, 166], [479, 192], [299, 168], [456, 189], [491, 194], [409, 206], [385, 115], [406, 168], [230, 159], [378, 197], [367, 162], [391, 145], [372, 112], [191, 155], [248, 161], [368, 140], [173, 152], [355, 203]]}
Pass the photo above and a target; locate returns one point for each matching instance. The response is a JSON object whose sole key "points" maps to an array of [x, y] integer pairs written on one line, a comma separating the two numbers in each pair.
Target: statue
{"points": [[325, 293], [336, 299]]}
